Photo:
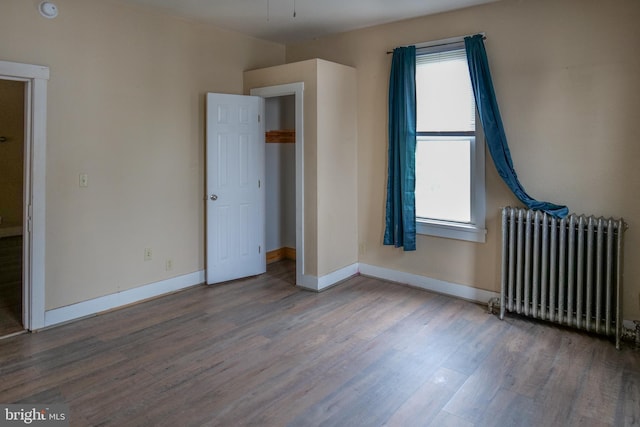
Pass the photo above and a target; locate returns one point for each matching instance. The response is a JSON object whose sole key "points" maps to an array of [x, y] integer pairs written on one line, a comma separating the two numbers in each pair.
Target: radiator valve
{"points": [[493, 304]]}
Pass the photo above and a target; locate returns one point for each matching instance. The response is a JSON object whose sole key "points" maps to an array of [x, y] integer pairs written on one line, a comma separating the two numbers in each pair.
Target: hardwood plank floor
{"points": [[365, 353]]}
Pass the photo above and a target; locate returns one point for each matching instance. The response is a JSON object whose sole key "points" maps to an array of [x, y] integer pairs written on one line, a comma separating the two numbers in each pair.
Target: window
{"points": [[449, 164]]}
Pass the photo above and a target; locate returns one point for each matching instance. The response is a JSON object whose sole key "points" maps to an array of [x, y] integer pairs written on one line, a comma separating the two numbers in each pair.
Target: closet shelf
{"points": [[280, 136]]}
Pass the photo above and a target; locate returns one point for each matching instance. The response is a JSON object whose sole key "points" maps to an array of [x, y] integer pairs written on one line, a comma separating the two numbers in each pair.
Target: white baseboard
{"points": [[318, 284], [452, 289], [119, 299], [429, 284]]}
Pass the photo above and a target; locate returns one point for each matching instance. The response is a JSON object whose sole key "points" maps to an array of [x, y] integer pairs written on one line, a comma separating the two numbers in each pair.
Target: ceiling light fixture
{"points": [[48, 9]]}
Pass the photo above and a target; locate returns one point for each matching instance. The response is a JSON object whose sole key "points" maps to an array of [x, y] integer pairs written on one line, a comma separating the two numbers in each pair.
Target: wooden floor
{"points": [[10, 285], [365, 353]]}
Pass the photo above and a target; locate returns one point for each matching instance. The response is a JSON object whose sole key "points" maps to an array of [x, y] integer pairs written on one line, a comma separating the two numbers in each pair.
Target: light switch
{"points": [[84, 180]]}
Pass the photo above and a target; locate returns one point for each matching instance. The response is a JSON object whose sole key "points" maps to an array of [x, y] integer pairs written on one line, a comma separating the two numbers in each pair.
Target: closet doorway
{"points": [[280, 178], [284, 173]]}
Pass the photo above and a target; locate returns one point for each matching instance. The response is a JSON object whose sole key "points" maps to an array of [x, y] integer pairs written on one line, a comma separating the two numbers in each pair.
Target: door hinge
{"points": [[30, 218], [259, 184], [258, 118], [259, 249]]}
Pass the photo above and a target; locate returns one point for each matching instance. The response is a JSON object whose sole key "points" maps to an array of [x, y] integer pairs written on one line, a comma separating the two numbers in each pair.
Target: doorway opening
{"points": [[280, 178], [12, 130], [33, 86], [284, 173]]}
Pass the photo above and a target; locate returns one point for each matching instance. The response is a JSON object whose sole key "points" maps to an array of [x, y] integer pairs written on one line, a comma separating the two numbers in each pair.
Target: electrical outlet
{"points": [[83, 180], [148, 254], [168, 265]]}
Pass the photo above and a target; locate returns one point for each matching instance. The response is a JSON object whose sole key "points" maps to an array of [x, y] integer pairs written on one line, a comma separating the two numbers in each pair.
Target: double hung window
{"points": [[450, 199]]}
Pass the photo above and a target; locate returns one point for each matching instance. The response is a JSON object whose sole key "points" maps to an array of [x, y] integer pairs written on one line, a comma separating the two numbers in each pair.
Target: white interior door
{"points": [[235, 187]]}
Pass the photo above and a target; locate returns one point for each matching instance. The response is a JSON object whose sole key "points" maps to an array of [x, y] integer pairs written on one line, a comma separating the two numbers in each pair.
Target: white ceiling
{"points": [[273, 19]]}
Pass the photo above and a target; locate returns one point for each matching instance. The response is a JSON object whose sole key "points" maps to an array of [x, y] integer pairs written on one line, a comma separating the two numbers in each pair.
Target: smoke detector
{"points": [[48, 10]]}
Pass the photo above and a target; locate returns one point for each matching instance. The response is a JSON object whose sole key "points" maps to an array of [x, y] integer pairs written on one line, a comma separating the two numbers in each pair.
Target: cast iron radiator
{"points": [[567, 271]]}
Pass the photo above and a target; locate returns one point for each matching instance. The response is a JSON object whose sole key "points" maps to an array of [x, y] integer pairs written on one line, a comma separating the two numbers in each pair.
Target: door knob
{"points": [[213, 197]]}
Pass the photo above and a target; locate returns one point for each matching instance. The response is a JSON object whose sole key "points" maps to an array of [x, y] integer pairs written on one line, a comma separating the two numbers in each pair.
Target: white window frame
{"points": [[475, 230]]}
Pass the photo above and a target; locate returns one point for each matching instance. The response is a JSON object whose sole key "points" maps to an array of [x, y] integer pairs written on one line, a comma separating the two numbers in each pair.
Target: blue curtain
{"points": [[400, 223], [493, 128]]}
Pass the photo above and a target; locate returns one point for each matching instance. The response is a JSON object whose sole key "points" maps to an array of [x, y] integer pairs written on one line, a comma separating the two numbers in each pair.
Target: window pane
{"points": [[443, 179], [444, 95]]}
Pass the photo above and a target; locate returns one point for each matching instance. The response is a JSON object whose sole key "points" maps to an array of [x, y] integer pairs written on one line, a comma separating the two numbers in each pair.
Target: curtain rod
{"points": [[460, 39]]}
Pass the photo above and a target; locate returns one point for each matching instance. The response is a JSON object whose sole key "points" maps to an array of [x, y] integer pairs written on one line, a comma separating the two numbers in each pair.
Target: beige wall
{"points": [[337, 167], [125, 106], [11, 151], [566, 78]]}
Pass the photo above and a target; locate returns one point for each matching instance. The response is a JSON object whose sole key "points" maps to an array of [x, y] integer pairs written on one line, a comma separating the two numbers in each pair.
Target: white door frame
{"points": [[35, 142], [296, 89]]}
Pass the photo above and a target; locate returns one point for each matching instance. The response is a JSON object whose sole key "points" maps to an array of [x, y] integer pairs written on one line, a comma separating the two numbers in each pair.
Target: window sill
{"points": [[451, 230]]}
